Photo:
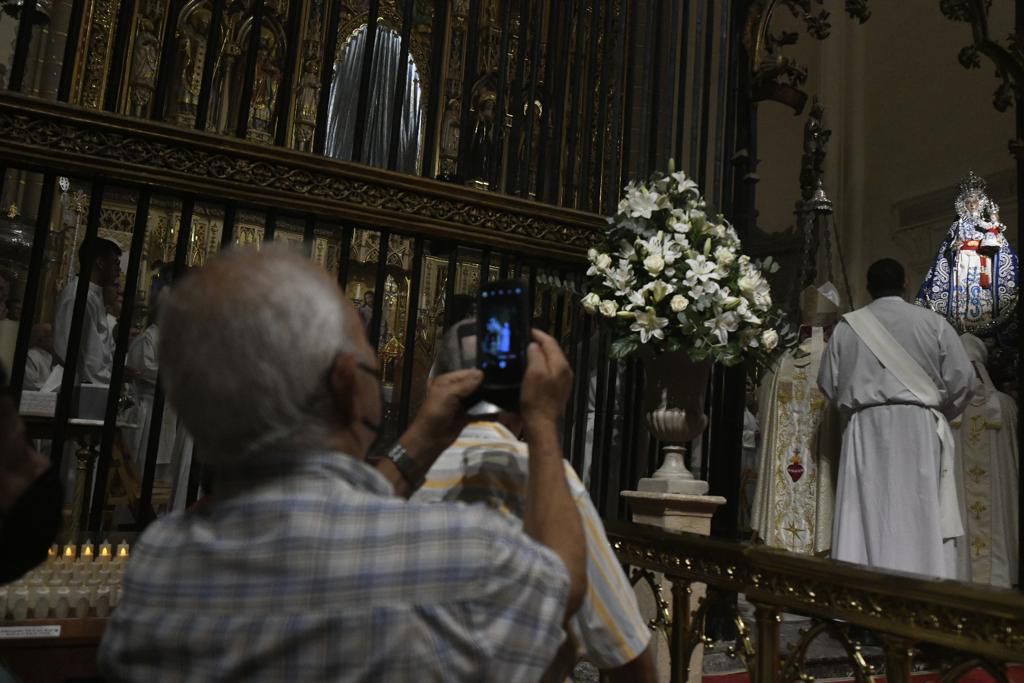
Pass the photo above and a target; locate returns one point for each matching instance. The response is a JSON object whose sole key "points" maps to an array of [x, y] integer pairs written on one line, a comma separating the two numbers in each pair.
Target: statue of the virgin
{"points": [[973, 281]]}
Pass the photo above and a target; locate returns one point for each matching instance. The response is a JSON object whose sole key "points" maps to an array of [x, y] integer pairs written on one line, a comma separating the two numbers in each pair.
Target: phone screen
{"points": [[503, 333]]}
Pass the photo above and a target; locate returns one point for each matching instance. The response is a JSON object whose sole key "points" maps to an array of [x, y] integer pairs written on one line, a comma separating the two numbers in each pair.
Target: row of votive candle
{"points": [[73, 583]]}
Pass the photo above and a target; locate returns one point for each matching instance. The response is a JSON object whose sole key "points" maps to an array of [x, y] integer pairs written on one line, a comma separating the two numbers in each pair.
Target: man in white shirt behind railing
{"points": [[488, 465], [96, 353]]}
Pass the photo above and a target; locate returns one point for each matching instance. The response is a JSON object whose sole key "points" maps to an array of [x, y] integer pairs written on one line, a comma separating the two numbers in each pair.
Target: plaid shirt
{"points": [[488, 465], [320, 573]]}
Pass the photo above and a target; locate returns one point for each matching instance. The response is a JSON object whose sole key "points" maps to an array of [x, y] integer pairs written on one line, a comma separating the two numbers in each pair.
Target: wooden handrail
{"points": [[42, 134], [988, 622]]}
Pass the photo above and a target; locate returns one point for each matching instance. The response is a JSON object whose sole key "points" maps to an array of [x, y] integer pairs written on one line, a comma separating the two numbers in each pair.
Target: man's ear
{"points": [[341, 384]]}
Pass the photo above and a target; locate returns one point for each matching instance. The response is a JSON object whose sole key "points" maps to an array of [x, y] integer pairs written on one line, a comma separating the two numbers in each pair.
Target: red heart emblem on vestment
{"points": [[796, 470]]}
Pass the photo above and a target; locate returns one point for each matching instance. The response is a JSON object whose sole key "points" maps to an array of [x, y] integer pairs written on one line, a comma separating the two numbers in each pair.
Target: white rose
{"points": [[679, 303], [747, 284], [603, 262], [724, 256], [590, 302], [654, 264], [608, 308], [770, 339]]}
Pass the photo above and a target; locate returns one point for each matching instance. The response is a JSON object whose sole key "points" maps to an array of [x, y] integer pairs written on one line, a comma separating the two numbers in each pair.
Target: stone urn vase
{"points": [[674, 390]]}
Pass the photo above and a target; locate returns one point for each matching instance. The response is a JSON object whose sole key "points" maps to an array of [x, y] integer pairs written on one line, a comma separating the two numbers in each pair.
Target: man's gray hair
{"points": [[245, 362]]}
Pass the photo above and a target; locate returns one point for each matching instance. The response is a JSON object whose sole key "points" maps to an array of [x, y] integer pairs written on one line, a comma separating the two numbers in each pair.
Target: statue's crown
{"points": [[972, 184]]}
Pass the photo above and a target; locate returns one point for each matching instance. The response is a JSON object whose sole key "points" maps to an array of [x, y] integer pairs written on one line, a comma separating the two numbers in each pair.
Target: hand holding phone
{"points": [[503, 335]]}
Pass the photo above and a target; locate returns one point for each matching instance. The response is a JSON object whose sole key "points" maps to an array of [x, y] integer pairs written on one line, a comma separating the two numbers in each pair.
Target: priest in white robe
{"points": [[896, 499], [174, 450], [987, 479], [96, 353], [796, 482]]}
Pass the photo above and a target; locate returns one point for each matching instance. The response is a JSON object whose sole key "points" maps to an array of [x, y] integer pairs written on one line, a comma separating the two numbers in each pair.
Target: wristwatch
{"points": [[407, 466]]}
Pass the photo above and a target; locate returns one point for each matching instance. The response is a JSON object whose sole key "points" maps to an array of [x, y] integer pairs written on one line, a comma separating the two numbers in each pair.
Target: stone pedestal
{"points": [[673, 512]]}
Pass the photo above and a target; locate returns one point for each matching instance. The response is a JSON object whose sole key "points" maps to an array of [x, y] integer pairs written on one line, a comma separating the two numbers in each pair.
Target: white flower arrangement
{"points": [[669, 277]]}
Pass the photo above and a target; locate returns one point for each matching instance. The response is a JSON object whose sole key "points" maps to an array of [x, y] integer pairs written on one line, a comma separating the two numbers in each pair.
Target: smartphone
{"points": [[502, 336]]}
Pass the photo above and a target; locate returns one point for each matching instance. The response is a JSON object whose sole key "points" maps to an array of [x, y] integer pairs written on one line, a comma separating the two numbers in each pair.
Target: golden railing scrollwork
{"points": [[44, 134], [907, 615]]}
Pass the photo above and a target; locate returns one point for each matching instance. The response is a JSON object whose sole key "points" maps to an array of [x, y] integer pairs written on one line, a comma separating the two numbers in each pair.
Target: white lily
{"points": [[722, 324], [642, 202], [649, 325]]}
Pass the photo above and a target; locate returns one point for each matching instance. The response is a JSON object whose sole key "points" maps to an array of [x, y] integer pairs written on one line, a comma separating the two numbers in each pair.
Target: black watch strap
{"points": [[406, 466]]}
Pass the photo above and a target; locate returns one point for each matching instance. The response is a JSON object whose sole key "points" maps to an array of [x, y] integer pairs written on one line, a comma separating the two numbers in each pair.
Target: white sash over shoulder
{"points": [[902, 365]]}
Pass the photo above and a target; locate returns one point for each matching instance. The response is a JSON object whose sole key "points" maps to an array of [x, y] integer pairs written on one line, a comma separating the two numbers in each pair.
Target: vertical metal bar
{"points": [[604, 103], [583, 188], [398, 99], [409, 359], [40, 236], [435, 103], [165, 73], [683, 67], [118, 55], [248, 81], [603, 448], [579, 64], [638, 462], [124, 330], [378, 299], [532, 289], [582, 397], [291, 65], [67, 68], [227, 234], [695, 92], [509, 163], [705, 115], [345, 256], [612, 169], [766, 667], [195, 474], [363, 96], [494, 173], [485, 266], [309, 235], [449, 285], [74, 342], [627, 454], [573, 348], [601, 420], [724, 95], [146, 513], [654, 74], [899, 658], [730, 58], [682, 625], [503, 268], [327, 68], [269, 225], [625, 100], [469, 76], [210, 61], [22, 43], [535, 75], [559, 319], [550, 164]]}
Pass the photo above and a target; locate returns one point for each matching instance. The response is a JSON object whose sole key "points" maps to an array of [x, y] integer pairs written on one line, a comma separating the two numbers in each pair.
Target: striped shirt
{"points": [[488, 465], [317, 572]]}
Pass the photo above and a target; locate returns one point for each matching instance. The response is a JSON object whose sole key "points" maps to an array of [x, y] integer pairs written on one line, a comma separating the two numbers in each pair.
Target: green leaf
{"points": [[623, 346]]}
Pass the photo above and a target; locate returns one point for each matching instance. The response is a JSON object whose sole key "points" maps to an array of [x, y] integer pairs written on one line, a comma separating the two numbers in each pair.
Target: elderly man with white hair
{"points": [[304, 564]]}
